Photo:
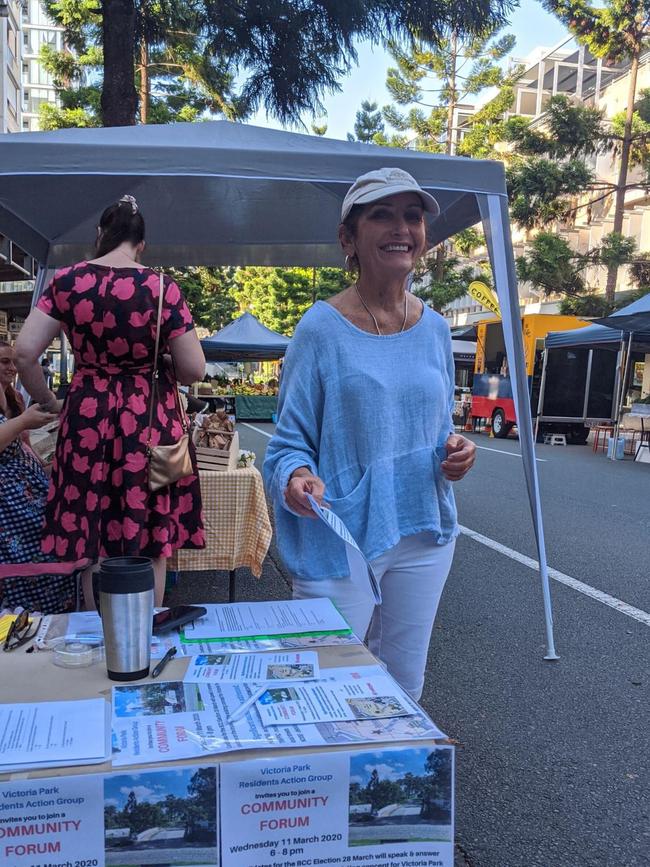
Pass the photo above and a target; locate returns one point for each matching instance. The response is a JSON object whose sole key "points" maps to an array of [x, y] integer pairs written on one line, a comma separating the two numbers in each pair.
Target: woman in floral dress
{"points": [[23, 489], [99, 504]]}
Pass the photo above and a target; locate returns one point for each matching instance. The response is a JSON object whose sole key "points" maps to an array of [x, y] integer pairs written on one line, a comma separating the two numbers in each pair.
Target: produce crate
{"points": [[218, 459]]}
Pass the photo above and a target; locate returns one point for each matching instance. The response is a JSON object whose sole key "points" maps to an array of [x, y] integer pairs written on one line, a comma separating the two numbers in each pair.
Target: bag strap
{"points": [[155, 373]]}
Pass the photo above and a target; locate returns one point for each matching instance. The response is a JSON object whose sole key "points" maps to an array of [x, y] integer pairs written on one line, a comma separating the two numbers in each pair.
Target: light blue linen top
{"points": [[369, 414]]}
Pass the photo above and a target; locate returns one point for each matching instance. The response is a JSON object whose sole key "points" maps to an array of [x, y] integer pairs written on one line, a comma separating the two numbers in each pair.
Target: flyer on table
{"points": [[368, 698], [152, 817], [156, 722], [52, 821], [389, 807], [253, 619], [53, 732], [252, 667]]}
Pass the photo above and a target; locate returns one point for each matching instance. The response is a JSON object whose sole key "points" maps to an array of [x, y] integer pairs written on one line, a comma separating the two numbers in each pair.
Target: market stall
{"points": [[246, 339], [618, 350], [249, 196]]}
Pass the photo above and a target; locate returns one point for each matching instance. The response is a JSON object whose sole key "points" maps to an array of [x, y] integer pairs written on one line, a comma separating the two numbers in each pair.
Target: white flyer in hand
{"points": [[359, 699], [252, 667], [359, 566]]}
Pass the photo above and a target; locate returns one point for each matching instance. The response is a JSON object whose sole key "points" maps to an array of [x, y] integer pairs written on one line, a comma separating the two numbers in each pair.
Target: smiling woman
{"points": [[365, 423]]}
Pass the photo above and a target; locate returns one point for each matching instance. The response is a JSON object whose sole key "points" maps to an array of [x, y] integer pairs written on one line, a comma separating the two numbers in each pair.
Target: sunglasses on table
{"points": [[20, 632]]}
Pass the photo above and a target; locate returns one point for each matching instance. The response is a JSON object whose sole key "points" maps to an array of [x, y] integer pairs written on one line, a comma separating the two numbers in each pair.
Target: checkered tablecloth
{"points": [[237, 525]]}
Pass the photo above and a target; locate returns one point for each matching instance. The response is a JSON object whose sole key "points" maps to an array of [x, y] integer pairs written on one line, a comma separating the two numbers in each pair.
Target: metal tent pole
{"points": [[542, 389], [621, 395]]}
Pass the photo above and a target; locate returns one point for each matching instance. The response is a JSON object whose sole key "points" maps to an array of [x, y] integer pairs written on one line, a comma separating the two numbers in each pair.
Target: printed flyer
{"points": [[156, 722], [390, 807], [52, 821], [162, 817], [252, 667], [369, 698]]}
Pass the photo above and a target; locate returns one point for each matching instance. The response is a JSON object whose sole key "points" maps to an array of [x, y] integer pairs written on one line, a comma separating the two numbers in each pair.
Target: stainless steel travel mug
{"points": [[126, 605]]}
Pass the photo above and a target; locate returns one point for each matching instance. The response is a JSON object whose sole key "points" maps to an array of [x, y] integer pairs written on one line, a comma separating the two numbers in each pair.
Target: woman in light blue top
{"points": [[365, 427]]}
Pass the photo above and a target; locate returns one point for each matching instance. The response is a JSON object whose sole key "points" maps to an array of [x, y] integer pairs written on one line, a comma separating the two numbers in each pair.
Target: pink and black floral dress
{"points": [[99, 503]]}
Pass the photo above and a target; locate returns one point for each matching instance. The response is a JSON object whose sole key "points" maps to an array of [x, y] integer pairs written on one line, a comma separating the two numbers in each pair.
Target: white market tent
{"points": [[223, 193]]}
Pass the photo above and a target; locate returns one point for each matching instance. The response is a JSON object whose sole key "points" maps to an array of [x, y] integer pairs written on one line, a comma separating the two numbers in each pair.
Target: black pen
{"points": [[171, 653]]}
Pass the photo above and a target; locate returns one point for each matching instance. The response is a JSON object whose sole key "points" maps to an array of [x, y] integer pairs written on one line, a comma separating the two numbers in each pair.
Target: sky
{"points": [[390, 764], [530, 23], [151, 786]]}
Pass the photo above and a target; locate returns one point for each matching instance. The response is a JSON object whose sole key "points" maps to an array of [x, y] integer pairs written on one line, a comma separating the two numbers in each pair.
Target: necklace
{"points": [[372, 315]]}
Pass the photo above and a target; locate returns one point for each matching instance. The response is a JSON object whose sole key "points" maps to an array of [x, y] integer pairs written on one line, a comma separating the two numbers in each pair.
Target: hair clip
{"points": [[131, 201]]}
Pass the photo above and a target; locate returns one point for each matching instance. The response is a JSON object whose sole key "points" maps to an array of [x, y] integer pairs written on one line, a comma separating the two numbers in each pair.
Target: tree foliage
{"points": [[198, 806], [548, 167], [278, 297], [554, 268], [281, 55], [209, 294], [430, 79], [180, 76], [615, 31], [368, 123], [438, 284]]}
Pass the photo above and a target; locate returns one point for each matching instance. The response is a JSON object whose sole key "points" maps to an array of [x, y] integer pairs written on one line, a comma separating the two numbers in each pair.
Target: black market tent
{"points": [[635, 317], [245, 339], [223, 193], [621, 331]]}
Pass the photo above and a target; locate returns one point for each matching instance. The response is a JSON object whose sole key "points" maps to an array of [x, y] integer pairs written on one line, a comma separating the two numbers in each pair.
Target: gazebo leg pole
{"points": [[619, 408]]}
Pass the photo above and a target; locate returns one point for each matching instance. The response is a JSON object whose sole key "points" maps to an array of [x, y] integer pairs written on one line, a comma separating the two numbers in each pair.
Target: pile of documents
{"points": [[233, 697], [53, 734]]}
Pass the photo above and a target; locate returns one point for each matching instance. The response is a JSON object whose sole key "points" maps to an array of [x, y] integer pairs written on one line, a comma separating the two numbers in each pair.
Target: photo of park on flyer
{"points": [[161, 817], [401, 796]]}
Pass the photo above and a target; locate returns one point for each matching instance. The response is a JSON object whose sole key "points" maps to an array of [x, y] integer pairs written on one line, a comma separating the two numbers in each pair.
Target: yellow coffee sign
{"points": [[485, 296]]}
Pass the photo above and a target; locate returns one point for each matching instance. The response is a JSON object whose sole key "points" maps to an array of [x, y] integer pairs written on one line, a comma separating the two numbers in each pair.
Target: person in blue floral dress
{"points": [[23, 491]]}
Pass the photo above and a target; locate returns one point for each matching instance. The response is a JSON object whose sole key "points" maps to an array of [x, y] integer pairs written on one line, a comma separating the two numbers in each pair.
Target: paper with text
{"points": [[360, 568], [252, 667], [262, 619]]}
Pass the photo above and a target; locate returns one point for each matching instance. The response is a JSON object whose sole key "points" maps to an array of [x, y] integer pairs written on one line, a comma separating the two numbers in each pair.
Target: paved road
{"points": [[553, 764]]}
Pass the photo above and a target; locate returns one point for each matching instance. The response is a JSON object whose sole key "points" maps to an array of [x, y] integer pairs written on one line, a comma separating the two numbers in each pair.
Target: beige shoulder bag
{"points": [[167, 464]]}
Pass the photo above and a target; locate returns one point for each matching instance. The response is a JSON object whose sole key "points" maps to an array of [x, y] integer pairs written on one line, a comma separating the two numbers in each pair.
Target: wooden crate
{"points": [[218, 459]]}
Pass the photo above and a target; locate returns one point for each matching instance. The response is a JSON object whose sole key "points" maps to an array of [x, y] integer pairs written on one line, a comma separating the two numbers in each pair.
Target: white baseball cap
{"points": [[385, 182]]}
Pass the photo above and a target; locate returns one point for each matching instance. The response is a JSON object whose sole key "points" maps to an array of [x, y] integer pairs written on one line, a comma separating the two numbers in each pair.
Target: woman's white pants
{"points": [[412, 576]]}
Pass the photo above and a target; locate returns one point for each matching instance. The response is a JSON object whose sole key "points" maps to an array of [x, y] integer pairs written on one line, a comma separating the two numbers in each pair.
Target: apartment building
{"points": [[570, 69], [37, 84], [10, 60]]}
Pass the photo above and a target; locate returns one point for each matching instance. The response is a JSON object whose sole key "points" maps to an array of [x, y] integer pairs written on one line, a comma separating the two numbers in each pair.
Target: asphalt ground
{"points": [[553, 758]]}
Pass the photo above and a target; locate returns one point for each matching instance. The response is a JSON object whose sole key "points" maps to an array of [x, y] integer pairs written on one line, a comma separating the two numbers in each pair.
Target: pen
{"points": [[247, 705], [171, 653]]}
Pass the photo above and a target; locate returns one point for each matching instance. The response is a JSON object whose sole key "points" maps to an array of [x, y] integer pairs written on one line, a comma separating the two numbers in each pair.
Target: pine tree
{"points": [[177, 77], [618, 30], [368, 122], [284, 54], [435, 78]]}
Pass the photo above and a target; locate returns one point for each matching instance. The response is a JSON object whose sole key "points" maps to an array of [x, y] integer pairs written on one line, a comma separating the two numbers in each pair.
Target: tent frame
{"points": [[240, 195]]}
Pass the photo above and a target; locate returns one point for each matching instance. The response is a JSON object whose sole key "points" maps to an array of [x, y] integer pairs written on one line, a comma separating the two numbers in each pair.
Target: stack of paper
{"points": [[53, 734], [258, 620]]}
